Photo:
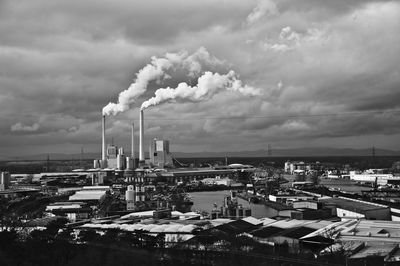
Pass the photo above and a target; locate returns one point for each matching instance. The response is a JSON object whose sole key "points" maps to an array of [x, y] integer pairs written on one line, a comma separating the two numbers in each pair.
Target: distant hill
{"points": [[292, 152], [259, 153], [54, 156]]}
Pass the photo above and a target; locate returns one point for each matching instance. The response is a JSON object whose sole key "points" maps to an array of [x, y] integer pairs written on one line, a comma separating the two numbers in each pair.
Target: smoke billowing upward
{"points": [[21, 127], [157, 70], [207, 86]]}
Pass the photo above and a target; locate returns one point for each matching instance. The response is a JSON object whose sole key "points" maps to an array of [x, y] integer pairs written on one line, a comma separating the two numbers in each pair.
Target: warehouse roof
{"points": [[352, 205], [237, 227], [87, 195]]}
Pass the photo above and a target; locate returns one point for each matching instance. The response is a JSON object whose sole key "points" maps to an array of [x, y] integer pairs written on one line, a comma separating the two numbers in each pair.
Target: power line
{"points": [[278, 116]]}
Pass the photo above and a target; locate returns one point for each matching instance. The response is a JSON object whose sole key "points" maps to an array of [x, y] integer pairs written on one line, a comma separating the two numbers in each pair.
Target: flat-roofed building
{"points": [[351, 208]]}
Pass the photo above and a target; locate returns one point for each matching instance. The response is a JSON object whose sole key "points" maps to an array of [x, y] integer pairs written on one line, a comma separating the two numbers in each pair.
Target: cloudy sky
{"points": [[328, 73]]}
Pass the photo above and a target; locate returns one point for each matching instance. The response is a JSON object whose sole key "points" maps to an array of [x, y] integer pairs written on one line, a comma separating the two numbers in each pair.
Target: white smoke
{"points": [[208, 85], [157, 70], [21, 127]]}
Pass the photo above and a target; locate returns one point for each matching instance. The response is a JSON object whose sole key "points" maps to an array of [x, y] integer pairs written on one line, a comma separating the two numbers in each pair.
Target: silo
{"points": [[130, 194], [129, 163], [120, 162], [130, 198]]}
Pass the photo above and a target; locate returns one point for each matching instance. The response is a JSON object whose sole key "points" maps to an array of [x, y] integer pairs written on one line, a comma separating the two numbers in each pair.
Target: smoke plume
{"points": [[208, 85], [21, 127], [157, 70]]}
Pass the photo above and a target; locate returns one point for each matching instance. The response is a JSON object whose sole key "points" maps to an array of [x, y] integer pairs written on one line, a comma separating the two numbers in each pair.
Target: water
{"points": [[203, 201]]}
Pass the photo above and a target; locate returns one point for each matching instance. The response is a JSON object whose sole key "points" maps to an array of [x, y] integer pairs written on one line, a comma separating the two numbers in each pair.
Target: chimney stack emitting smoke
{"points": [[103, 138], [157, 70], [141, 137], [208, 84], [133, 145]]}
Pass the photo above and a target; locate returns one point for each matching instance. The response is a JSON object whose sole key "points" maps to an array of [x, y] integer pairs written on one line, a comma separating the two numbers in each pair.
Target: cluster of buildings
{"points": [[359, 240], [114, 157], [378, 177], [305, 205], [8, 190]]}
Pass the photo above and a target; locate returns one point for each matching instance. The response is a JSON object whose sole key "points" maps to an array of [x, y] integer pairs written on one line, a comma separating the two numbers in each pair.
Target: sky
{"points": [[325, 73]]}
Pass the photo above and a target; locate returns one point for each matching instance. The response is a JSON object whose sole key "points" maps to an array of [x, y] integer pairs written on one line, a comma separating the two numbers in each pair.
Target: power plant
{"points": [[114, 158]]}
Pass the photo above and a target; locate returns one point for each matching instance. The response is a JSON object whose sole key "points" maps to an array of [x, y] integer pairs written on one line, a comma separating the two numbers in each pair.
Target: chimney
{"points": [[103, 138], [141, 137], [133, 145]]}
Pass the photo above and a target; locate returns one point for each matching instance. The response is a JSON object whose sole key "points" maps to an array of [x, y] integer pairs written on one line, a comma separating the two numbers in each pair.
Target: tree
{"points": [[88, 236], [7, 238]]}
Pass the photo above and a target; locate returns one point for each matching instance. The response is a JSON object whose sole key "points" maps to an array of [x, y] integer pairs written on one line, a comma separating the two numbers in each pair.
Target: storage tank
{"points": [[130, 194], [120, 162], [96, 164], [129, 163]]}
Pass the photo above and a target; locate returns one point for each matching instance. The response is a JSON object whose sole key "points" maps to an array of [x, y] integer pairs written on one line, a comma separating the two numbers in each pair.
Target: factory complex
{"points": [[294, 212]]}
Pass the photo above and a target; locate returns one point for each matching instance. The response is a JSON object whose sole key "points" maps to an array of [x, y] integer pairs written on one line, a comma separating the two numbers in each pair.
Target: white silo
{"points": [[120, 161], [129, 163], [130, 198], [4, 180], [130, 193]]}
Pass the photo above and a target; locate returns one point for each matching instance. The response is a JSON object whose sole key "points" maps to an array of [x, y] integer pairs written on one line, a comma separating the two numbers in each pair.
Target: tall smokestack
{"points": [[141, 137], [133, 145], [103, 138]]}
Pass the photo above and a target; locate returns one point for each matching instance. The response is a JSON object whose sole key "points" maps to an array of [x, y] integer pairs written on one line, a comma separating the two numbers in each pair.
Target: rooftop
{"points": [[352, 205], [376, 250], [237, 227]]}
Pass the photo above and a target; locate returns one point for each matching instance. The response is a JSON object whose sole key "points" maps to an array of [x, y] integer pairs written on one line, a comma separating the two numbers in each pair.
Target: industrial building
{"points": [[113, 157], [157, 168], [90, 194], [351, 208], [134, 194], [4, 180], [160, 157], [74, 211], [375, 176]]}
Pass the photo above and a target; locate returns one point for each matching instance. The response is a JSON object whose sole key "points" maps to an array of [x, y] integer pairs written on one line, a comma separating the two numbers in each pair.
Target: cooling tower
{"points": [[141, 137]]}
